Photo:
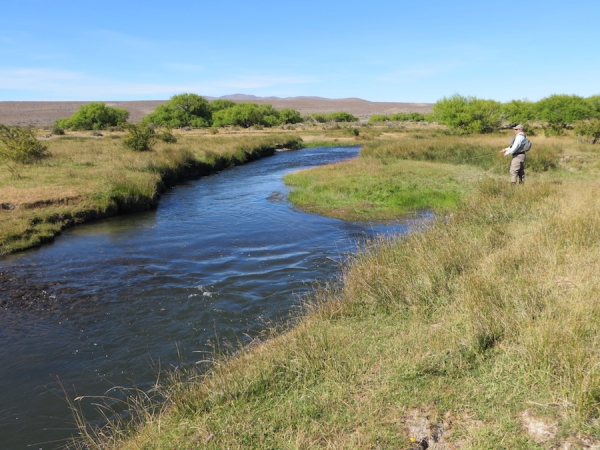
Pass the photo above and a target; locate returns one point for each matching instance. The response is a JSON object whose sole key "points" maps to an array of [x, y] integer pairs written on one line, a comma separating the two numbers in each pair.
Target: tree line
{"points": [[192, 110], [554, 114]]}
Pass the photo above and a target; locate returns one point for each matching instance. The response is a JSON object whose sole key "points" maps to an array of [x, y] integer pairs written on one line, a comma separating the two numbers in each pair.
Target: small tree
{"points": [[140, 137], [94, 116], [21, 146], [290, 116], [183, 110], [558, 111], [246, 115], [519, 111], [465, 115]]}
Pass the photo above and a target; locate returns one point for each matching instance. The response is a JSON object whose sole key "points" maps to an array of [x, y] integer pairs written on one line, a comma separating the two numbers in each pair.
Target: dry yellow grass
{"points": [[87, 177]]}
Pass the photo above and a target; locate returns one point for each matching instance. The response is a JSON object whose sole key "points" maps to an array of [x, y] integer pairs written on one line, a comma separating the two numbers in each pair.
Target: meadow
{"points": [[480, 330], [86, 177]]}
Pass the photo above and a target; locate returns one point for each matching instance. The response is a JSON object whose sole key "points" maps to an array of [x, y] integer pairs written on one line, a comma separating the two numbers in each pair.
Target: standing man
{"points": [[517, 165]]}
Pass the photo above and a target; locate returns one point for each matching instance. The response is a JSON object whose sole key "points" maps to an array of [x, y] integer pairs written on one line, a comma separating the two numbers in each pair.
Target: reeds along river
{"points": [[219, 258]]}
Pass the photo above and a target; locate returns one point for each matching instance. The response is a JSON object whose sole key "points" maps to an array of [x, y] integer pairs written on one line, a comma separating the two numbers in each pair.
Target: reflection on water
{"points": [[219, 258]]}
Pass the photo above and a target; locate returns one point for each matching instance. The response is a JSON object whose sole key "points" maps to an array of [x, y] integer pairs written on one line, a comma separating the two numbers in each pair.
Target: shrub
{"points": [[320, 118], [334, 117], [247, 115], [290, 116], [94, 116], [594, 101], [140, 137], [408, 117], [57, 131], [342, 117], [518, 111], [20, 145], [166, 136], [558, 111], [183, 110], [466, 115], [589, 130], [377, 118]]}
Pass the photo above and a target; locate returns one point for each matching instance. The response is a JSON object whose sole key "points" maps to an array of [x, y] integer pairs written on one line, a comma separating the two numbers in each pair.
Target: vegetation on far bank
{"points": [[461, 115], [479, 331], [85, 177], [420, 171]]}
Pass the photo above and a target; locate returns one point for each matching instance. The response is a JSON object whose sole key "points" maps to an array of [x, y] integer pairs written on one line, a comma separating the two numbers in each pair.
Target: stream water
{"points": [[221, 257]]}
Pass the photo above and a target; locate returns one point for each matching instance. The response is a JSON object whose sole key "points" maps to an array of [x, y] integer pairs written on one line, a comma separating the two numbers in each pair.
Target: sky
{"points": [[396, 51]]}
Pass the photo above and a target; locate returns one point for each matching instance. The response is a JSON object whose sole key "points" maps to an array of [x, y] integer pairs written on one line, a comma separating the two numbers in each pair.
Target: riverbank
{"points": [[87, 178], [480, 331]]}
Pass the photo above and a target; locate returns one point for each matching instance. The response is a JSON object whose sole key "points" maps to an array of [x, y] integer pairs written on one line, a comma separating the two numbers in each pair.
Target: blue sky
{"points": [[400, 51]]}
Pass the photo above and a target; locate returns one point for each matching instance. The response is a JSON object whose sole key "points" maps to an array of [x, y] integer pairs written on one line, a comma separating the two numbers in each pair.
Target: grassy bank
{"points": [[86, 178], [413, 171], [479, 332]]}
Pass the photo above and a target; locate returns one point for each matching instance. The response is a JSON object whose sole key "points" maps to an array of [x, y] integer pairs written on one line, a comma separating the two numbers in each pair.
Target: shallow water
{"points": [[219, 258]]}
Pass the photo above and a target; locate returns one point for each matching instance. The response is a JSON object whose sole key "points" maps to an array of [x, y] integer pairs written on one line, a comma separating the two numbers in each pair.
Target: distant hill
{"points": [[46, 113]]}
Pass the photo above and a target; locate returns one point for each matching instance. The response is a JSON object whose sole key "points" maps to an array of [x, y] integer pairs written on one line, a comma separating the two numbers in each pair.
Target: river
{"points": [[217, 260]]}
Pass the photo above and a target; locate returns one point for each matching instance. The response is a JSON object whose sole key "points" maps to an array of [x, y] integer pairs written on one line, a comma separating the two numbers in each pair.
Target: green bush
{"points": [[408, 117], [466, 115], [183, 110], [594, 101], [290, 116], [558, 111], [218, 105], [94, 116], [57, 131], [518, 111], [140, 137], [342, 117], [378, 118], [246, 115], [588, 130], [166, 136], [334, 117], [20, 145]]}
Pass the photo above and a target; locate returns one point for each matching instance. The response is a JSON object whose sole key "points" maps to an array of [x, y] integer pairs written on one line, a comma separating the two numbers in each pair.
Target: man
{"points": [[517, 165]]}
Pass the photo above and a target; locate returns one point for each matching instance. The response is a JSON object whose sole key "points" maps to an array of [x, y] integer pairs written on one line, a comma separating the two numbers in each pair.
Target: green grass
{"points": [[471, 331], [379, 189], [480, 331]]}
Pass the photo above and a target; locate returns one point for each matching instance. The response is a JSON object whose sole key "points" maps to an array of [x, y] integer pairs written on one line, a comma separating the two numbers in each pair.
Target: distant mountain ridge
{"points": [[44, 113]]}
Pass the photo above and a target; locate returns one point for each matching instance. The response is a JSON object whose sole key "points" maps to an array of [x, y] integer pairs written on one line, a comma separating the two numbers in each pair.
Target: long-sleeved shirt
{"points": [[519, 138]]}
